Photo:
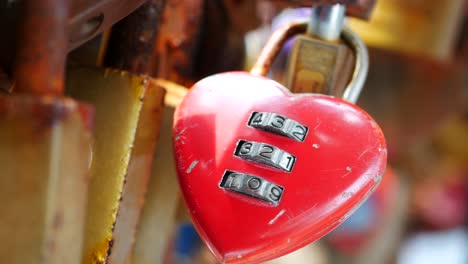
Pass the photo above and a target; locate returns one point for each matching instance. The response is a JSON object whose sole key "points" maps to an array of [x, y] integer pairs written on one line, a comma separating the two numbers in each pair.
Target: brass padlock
{"points": [[321, 61]]}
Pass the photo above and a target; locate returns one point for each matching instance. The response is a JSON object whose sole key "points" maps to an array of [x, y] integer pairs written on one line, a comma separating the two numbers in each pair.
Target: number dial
{"points": [[278, 124], [253, 186], [265, 154]]}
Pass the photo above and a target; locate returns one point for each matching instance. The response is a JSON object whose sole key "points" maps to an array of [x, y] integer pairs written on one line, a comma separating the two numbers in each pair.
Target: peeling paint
{"points": [[364, 152], [347, 194], [272, 221], [317, 126], [190, 168], [182, 131], [348, 171], [316, 145]]}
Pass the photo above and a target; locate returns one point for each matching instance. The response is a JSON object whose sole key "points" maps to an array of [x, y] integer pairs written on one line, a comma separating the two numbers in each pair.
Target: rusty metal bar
{"points": [[40, 57], [132, 40], [273, 46]]}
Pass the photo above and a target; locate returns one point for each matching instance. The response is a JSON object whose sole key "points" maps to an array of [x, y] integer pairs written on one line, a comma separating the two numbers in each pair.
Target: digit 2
{"points": [[266, 152], [299, 132]]}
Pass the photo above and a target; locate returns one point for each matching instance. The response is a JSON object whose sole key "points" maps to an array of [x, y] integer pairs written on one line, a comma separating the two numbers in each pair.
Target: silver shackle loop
{"points": [[361, 65], [326, 23]]}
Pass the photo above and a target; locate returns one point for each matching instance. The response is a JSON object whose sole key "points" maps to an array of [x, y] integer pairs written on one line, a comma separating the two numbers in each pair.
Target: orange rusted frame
{"points": [[40, 57], [273, 46], [132, 41]]}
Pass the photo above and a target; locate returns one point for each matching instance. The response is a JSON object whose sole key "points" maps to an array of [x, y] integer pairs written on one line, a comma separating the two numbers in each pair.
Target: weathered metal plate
{"points": [[45, 154], [118, 97], [162, 199], [139, 171]]}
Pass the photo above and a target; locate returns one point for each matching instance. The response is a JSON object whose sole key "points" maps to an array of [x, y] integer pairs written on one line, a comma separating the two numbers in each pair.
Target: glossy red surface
{"points": [[338, 165], [352, 242]]}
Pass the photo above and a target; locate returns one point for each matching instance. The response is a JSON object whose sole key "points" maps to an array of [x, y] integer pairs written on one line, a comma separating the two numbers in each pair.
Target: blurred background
{"points": [[416, 90]]}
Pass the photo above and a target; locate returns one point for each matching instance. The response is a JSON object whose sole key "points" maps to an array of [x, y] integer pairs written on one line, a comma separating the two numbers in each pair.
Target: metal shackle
{"points": [[282, 34]]}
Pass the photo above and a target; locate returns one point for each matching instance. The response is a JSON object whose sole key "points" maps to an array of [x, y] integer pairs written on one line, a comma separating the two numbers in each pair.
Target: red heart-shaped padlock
{"points": [[248, 209]]}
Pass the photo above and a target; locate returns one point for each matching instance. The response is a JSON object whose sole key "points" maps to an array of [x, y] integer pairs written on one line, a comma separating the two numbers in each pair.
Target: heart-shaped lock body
{"points": [[264, 172]]}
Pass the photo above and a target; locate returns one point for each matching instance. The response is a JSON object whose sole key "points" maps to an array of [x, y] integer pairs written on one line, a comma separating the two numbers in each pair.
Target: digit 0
{"points": [[254, 183]]}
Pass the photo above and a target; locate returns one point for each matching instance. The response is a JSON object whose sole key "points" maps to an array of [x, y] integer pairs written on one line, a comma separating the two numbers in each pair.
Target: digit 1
{"points": [[289, 161]]}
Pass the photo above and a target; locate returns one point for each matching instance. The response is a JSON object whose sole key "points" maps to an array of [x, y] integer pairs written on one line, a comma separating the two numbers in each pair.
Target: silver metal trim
{"points": [[326, 22], [361, 67]]}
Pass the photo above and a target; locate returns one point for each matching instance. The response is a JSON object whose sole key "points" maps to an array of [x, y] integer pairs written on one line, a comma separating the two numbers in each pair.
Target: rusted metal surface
{"points": [[178, 41], [356, 8], [86, 19], [206, 38], [132, 39], [45, 153], [274, 45], [222, 36], [41, 53]]}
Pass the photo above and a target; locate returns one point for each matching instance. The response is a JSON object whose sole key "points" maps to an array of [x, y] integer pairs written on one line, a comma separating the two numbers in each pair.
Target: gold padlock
{"points": [[320, 62]]}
